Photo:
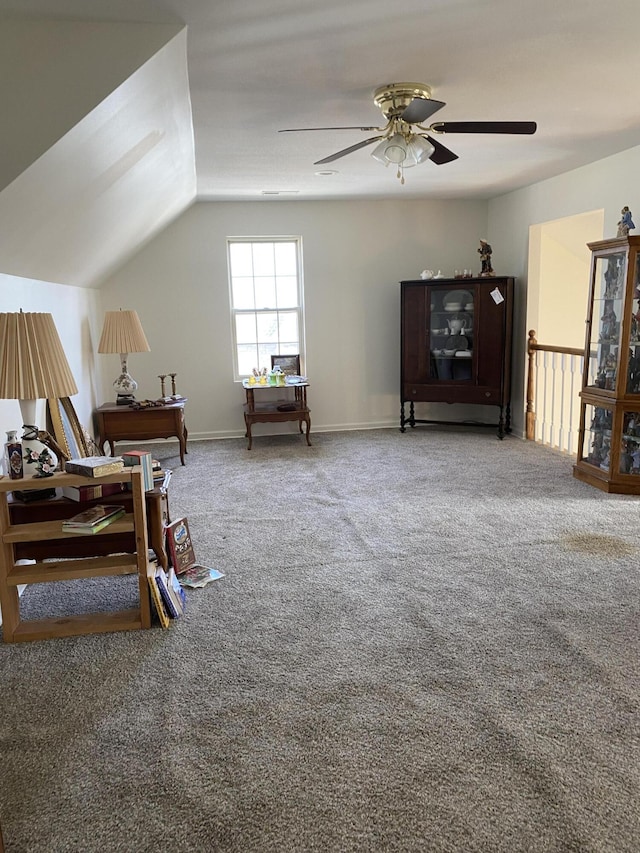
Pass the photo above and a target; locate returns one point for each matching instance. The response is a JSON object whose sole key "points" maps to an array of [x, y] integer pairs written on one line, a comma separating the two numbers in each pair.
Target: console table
{"points": [[123, 423], [276, 411]]}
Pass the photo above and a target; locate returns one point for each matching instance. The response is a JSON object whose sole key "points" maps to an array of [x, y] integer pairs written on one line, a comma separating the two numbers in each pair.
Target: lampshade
{"points": [[33, 365], [122, 332]]}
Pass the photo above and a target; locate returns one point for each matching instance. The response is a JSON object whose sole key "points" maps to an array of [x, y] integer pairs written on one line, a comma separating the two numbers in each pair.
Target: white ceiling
{"points": [[256, 66]]}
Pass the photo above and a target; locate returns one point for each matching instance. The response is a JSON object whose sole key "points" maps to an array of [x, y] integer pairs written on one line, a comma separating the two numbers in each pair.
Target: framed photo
{"points": [[288, 364], [63, 424]]}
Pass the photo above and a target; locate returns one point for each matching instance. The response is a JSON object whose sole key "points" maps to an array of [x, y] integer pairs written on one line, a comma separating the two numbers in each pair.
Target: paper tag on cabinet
{"points": [[497, 296]]}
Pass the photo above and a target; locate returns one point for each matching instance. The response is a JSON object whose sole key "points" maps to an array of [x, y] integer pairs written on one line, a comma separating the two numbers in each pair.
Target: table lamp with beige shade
{"points": [[33, 366], [122, 333]]}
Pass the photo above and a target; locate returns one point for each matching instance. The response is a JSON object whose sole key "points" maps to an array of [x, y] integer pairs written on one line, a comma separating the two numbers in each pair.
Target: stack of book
{"points": [[93, 519], [92, 492], [168, 596], [144, 459], [94, 466]]}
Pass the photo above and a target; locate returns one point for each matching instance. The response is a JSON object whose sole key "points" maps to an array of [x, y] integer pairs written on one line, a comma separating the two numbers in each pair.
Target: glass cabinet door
{"points": [[606, 321], [450, 333], [630, 444], [633, 371], [596, 448]]}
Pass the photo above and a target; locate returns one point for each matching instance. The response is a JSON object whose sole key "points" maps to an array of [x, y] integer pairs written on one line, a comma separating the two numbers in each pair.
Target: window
{"points": [[266, 301]]}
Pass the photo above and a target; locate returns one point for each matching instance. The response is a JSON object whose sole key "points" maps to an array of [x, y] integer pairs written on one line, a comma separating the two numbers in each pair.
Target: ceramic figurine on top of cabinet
{"points": [[485, 251], [625, 224]]}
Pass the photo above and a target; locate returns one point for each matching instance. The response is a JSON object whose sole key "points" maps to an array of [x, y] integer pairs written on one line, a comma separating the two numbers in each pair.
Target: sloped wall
{"points": [[110, 183]]}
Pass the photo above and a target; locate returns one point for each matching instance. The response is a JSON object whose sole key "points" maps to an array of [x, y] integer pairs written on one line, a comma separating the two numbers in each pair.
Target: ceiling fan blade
{"points": [[442, 154], [420, 109], [348, 150], [300, 129], [484, 127]]}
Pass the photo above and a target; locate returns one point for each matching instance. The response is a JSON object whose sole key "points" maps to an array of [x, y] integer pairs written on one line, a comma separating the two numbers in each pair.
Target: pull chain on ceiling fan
{"points": [[404, 141]]}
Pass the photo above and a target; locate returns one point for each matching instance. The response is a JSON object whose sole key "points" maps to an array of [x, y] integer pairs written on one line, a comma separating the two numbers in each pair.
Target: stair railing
{"points": [[554, 381]]}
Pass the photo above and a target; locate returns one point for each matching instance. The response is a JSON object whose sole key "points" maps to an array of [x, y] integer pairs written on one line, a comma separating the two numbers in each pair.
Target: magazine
{"points": [[197, 576]]}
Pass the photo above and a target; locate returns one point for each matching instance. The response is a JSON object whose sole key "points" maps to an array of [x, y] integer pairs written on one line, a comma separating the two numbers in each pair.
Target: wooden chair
{"points": [[288, 364]]}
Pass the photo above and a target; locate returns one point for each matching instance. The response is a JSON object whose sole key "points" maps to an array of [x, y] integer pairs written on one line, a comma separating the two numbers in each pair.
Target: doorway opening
{"points": [[557, 300]]}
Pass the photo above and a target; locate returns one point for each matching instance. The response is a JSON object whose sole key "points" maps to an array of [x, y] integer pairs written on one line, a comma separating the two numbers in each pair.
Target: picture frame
{"points": [[63, 424], [288, 364]]}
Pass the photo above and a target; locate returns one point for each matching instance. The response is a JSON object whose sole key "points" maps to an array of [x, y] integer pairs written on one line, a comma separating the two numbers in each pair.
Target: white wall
{"points": [[608, 184], [76, 313], [354, 255]]}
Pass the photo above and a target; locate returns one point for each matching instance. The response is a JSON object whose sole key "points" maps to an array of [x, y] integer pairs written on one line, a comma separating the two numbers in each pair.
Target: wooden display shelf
{"points": [[12, 575]]}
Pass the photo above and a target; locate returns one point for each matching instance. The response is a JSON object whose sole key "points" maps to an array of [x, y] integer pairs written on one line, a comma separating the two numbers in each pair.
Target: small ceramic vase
{"points": [[34, 452]]}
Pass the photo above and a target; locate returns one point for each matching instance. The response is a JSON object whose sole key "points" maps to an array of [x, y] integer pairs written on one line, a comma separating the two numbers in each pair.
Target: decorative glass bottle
{"points": [[13, 455]]}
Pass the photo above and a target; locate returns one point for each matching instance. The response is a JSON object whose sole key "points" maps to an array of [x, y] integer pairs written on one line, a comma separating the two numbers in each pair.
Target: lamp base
{"points": [[125, 399]]}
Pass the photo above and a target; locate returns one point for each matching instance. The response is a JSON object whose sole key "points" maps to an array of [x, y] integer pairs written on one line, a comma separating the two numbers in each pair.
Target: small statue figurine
{"points": [[485, 252], [625, 223]]}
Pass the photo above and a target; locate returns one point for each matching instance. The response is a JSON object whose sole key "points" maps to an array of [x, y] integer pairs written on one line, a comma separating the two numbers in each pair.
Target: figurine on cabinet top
{"points": [[485, 251], [625, 223]]}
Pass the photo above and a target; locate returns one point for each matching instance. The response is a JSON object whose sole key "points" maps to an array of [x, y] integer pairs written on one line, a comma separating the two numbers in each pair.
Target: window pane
{"points": [[247, 359], [265, 301], [263, 259], [265, 353], [265, 287], [286, 259], [243, 293], [240, 257], [287, 287], [268, 328], [246, 329], [288, 326]]}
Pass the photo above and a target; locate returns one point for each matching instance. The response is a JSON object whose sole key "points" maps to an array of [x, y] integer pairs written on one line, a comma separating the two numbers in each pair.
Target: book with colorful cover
{"points": [[93, 519], [156, 597], [94, 466], [176, 589], [198, 576], [173, 608], [179, 545]]}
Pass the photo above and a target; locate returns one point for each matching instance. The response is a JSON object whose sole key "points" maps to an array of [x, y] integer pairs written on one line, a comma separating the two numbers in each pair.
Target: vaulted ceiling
{"points": [[253, 67]]}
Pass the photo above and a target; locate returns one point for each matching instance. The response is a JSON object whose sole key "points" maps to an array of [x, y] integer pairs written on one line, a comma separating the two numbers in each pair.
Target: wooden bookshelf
{"points": [[16, 629]]}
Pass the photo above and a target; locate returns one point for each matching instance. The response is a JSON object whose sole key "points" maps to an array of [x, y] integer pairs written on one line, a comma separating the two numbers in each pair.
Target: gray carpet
{"points": [[423, 642]]}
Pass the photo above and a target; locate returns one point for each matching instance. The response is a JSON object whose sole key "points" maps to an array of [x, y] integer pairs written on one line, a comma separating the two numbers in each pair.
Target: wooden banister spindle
{"points": [[531, 415]]}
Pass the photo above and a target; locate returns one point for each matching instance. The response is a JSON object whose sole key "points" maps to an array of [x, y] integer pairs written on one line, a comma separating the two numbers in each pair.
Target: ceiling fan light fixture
{"points": [[419, 149], [391, 150]]}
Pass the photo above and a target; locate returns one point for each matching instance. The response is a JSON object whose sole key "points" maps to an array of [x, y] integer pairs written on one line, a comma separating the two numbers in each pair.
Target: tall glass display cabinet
{"points": [[609, 438], [456, 347]]}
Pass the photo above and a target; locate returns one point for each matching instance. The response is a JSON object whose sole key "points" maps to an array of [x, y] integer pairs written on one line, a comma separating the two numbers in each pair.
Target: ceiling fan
{"points": [[404, 140]]}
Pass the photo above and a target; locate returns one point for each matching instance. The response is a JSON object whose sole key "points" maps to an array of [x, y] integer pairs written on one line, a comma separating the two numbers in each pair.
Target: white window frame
{"points": [[299, 309]]}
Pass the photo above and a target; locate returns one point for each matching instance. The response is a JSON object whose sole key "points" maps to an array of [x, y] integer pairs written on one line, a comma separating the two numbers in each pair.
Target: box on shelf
{"points": [[94, 466]]}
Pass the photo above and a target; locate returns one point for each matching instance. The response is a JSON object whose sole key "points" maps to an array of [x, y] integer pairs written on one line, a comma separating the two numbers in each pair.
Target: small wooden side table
{"points": [[123, 423], [276, 411]]}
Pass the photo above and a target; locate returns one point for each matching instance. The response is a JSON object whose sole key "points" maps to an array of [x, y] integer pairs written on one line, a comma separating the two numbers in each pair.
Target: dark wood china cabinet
{"points": [[456, 346]]}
